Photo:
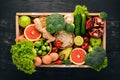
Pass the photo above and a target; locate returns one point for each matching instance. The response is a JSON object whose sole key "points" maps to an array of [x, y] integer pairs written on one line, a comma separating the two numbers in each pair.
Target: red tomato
{"points": [[58, 62], [58, 43]]}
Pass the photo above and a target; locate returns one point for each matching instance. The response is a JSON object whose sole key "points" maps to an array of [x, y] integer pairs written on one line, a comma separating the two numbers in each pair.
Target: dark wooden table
{"points": [[8, 9]]}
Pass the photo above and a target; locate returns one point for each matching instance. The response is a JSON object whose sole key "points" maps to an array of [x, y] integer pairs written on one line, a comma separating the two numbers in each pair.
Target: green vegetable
{"points": [[84, 13], [103, 65], [67, 62], [83, 25], [48, 48], [23, 54], [39, 52], [96, 58], [69, 28], [55, 23], [42, 47], [38, 43], [80, 15], [77, 19], [103, 15]]}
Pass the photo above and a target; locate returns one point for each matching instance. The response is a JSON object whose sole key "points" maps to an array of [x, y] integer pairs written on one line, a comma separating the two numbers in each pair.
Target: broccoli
{"points": [[103, 15], [96, 58], [69, 28], [55, 22]]}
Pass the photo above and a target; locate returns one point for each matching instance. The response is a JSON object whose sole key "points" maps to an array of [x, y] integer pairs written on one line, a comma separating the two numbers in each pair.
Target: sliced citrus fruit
{"points": [[77, 56], [78, 40], [31, 33]]}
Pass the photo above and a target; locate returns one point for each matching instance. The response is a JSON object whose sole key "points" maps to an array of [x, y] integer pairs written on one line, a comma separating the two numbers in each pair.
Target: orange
{"points": [[31, 33], [77, 56]]}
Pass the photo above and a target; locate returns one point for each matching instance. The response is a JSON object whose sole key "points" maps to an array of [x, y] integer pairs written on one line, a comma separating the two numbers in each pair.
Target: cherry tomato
{"points": [[58, 43], [58, 62]]}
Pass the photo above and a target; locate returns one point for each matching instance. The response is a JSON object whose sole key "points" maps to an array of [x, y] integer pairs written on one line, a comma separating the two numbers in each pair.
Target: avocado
{"points": [[65, 52]]}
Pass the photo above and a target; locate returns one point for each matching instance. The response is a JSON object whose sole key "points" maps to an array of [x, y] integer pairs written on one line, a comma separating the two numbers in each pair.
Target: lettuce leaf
{"points": [[23, 54]]}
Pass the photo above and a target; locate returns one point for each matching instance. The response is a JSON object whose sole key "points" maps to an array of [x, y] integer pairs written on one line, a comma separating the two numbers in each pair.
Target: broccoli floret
{"points": [[55, 23], [95, 57], [103, 65], [103, 15], [69, 28]]}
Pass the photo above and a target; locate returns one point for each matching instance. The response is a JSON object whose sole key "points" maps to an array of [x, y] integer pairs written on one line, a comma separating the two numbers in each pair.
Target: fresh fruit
{"points": [[54, 56], [47, 59], [31, 33], [95, 41], [24, 21], [85, 46], [62, 57], [38, 61], [77, 56], [89, 24], [98, 22], [96, 32], [58, 62], [66, 52], [58, 43], [78, 40]]}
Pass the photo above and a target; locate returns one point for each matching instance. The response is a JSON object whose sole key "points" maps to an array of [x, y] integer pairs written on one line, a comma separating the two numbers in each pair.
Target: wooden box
{"points": [[19, 31]]}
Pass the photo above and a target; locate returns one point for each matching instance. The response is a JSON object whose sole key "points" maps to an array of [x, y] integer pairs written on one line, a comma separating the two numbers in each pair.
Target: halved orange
{"points": [[31, 33], [77, 56]]}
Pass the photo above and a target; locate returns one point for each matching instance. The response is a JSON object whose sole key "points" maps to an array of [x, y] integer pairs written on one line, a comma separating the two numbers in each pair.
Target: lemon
{"points": [[78, 40], [24, 21]]}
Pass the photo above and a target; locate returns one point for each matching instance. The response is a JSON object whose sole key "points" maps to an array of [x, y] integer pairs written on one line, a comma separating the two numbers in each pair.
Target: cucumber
{"points": [[83, 25], [77, 22]]}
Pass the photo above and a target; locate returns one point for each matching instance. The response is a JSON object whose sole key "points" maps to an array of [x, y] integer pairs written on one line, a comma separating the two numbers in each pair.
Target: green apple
{"points": [[95, 41], [24, 21]]}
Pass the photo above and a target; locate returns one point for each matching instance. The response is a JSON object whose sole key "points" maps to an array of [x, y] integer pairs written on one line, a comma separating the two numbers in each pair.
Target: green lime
{"points": [[78, 40], [24, 21]]}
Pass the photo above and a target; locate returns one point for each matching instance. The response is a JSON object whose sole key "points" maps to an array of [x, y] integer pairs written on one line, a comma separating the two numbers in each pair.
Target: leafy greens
{"points": [[23, 54]]}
